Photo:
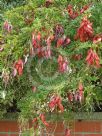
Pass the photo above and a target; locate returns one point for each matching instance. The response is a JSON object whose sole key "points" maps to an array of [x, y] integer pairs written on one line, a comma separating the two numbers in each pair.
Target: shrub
{"points": [[51, 58]]}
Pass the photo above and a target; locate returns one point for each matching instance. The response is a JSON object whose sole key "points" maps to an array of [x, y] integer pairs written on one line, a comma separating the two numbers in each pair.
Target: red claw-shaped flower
{"points": [[81, 91], [35, 122], [93, 58], [84, 8], [53, 102], [56, 102], [48, 52], [60, 106], [73, 14], [19, 67], [81, 88], [60, 42], [85, 31], [42, 117], [39, 37], [62, 64]]}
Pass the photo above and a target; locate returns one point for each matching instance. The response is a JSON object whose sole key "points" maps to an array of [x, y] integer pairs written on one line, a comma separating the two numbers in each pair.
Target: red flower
{"points": [[56, 101], [52, 103], [39, 37], [81, 88], [67, 132], [73, 14], [81, 93], [19, 67], [67, 41], [42, 117], [84, 8], [97, 39], [47, 53], [59, 104], [40, 51], [93, 58], [62, 64], [35, 121], [85, 31], [60, 42]]}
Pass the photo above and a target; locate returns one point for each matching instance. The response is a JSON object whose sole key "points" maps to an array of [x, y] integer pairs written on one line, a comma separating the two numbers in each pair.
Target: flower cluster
{"points": [[93, 58], [37, 46], [85, 31], [73, 14], [59, 37]]}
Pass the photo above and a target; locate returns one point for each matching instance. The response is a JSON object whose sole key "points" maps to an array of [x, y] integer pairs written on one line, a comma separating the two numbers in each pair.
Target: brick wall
{"points": [[79, 128]]}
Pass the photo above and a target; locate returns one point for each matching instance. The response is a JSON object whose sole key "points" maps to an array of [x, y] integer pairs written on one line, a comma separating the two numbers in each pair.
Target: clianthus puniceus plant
{"points": [[51, 59]]}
